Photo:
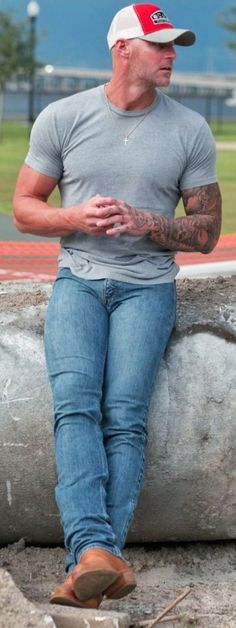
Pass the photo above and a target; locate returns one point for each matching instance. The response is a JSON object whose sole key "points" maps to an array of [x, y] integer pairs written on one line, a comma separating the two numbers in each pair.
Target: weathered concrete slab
{"points": [[16, 611], [65, 617], [190, 487]]}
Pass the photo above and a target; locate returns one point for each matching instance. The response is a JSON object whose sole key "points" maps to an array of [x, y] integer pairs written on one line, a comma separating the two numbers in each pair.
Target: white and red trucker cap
{"points": [[149, 22]]}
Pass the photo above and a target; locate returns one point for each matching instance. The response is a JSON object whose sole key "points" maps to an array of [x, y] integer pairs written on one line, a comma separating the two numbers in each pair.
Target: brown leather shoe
{"points": [[98, 572], [125, 582], [64, 594]]}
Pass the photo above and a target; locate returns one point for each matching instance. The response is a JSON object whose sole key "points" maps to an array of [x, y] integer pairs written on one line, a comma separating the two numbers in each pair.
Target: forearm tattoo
{"points": [[199, 230]]}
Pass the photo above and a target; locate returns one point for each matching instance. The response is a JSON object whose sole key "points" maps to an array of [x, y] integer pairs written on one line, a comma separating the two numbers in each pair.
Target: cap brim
{"points": [[177, 35]]}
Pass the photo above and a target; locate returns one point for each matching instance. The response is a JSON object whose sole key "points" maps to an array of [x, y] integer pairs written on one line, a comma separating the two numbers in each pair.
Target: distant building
{"points": [[213, 95]]}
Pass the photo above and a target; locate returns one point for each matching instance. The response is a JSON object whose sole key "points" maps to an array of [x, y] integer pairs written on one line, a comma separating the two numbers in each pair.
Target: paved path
{"points": [[226, 145], [37, 260]]}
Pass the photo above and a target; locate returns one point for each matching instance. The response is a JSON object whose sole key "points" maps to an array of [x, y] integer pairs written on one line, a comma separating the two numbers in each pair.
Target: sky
{"points": [[72, 33]]}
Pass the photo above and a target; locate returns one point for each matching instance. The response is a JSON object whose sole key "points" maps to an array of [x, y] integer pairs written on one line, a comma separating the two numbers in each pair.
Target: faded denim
{"points": [[104, 340]]}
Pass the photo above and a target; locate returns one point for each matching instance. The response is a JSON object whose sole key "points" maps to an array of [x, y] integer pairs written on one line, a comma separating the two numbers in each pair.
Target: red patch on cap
{"points": [[151, 18]]}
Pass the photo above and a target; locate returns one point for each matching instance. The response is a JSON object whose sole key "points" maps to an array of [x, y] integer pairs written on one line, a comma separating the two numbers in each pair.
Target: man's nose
{"points": [[170, 51]]}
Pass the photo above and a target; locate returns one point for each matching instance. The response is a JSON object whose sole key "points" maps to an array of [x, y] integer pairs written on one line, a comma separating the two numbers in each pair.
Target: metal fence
{"points": [[212, 95]]}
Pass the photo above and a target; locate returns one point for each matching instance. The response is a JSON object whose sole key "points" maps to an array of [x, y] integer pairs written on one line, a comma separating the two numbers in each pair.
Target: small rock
{"points": [[19, 546]]}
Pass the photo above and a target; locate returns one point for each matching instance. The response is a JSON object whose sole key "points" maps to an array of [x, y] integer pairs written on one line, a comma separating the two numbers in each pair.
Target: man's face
{"points": [[152, 63]]}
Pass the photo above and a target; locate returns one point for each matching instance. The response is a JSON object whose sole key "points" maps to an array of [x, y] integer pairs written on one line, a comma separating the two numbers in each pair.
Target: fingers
{"points": [[117, 230], [101, 209], [103, 200], [108, 220], [104, 214]]}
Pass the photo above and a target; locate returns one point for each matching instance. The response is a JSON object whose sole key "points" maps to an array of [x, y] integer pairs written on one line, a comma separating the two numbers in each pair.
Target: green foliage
{"points": [[15, 48], [228, 21]]}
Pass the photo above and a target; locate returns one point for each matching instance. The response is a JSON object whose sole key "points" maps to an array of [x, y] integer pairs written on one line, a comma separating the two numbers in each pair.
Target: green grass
{"points": [[14, 141], [14, 146], [225, 132], [226, 166]]}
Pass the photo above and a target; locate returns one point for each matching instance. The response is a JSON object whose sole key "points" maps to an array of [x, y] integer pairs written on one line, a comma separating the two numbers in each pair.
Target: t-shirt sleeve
{"points": [[44, 153], [201, 161]]}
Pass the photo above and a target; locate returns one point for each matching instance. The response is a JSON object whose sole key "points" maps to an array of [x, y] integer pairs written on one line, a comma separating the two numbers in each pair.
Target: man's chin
{"points": [[163, 81]]}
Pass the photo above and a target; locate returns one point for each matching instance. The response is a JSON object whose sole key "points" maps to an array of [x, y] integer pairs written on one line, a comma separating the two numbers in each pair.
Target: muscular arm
{"points": [[199, 230], [33, 214]]}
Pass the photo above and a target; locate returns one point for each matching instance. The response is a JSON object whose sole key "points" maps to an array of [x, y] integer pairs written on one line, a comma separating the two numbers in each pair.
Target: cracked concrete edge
{"points": [[16, 611], [210, 269], [65, 617]]}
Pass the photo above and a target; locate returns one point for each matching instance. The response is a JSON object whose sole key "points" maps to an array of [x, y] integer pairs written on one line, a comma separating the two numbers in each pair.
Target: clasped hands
{"points": [[105, 215]]}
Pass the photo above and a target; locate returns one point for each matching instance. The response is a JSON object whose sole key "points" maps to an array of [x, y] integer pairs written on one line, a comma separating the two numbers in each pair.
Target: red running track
{"points": [[37, 261]]}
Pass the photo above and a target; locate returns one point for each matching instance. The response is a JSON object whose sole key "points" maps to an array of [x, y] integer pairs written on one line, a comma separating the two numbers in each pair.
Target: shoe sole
{"points": [[124, 585], [64, 601], [92, 583]]}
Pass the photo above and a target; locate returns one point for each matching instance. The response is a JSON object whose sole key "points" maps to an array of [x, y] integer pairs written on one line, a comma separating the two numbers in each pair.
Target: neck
{"points": [[129, 96]]}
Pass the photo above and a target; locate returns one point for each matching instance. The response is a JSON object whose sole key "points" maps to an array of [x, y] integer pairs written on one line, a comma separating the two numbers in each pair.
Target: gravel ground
{"points": [[163, 573]]}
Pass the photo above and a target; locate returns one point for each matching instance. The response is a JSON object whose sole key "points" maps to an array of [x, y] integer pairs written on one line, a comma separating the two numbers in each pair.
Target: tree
{"points": [[15, 57], [15, 51], [229, 22]]}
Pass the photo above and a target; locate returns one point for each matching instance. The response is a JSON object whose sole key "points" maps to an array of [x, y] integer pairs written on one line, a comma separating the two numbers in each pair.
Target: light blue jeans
{"points": [[104, 341]]}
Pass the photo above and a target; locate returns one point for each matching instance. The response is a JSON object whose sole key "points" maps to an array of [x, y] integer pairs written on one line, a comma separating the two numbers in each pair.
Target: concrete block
{"points": [[65, 617], [16, 611], [190, 487]]}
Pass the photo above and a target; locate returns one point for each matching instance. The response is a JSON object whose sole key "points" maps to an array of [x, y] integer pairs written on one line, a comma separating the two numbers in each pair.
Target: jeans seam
{"points": [[133, 501]]}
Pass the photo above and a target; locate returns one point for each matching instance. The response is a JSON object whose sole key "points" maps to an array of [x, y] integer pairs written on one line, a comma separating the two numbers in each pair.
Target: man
{"points": [[122, 155]]}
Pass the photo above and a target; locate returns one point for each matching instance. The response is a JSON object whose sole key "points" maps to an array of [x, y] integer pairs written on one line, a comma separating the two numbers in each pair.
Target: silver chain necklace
{"points": [[125, 138]]}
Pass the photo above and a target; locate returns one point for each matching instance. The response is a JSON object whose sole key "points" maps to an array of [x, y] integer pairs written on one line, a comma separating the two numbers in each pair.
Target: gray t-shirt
{"points": [[78, 141]]}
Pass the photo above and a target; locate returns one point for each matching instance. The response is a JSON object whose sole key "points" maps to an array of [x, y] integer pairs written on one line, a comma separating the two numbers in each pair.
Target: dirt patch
{"points": [[216, 290], [163, 572], [207, 305], [203, 305], [18, 296]]}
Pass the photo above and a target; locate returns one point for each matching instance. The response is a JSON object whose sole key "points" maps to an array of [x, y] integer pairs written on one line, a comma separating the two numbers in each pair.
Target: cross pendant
{"points": [[126, 140]]}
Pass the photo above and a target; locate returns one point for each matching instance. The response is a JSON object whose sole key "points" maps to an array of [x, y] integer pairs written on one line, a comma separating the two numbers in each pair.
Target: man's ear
{"points": [[122, 47]]}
